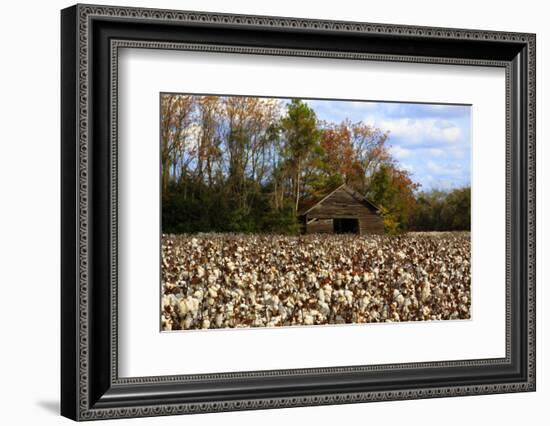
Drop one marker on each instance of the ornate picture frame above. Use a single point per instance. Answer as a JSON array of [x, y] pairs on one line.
[[91, 37]]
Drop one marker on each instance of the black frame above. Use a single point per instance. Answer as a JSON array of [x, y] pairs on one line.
[[90, 386]]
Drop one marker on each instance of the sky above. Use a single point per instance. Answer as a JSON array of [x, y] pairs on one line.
[[431, 141]]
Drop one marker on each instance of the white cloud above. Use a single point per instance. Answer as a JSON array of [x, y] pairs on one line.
[[444, 169], [400, 152], [416, 130], [436, 152], [408, 167], [435, 168], [459, 154]]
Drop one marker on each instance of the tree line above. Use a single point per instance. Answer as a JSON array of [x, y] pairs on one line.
[[244, 164]]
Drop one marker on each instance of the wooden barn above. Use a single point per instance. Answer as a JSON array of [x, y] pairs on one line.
[[339, 211]]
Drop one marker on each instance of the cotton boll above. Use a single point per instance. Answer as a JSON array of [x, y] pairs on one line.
[[192, 305], [438, 293], [426, 292], [365, 301], [168, 300], [324, 308], [186, 322], [348, 296], [183, 308], [328, 291], [368, 276], [200, 272], [321, 295], [400, 300], [167, 324]]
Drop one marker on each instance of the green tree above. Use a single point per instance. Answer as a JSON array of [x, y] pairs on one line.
[[456, 211], [393, 190], [438, 210], [428, 211], [300, 131]]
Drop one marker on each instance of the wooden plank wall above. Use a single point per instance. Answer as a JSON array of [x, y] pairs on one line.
[[320, 226], [371, 225]]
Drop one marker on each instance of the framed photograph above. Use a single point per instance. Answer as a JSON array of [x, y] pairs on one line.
[[263, 212]]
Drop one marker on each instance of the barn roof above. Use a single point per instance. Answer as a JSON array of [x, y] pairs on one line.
[[310, 203]]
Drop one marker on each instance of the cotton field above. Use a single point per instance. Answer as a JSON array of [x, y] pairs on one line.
[[236, 280]]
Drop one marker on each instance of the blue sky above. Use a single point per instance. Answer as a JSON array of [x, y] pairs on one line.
[[431, 141]]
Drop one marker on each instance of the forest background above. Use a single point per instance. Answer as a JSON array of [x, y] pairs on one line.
[[245, 164]]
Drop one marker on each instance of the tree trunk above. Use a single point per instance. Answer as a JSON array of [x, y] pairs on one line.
[[297, 187], [165, 173]]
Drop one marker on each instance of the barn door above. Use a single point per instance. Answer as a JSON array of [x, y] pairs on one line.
[[346, 226]]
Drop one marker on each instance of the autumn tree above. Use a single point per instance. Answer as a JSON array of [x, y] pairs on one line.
[[248, 122], [392, 189], [352, 152], [176, 119], [208, 139], [339, 159], [372, 151]]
